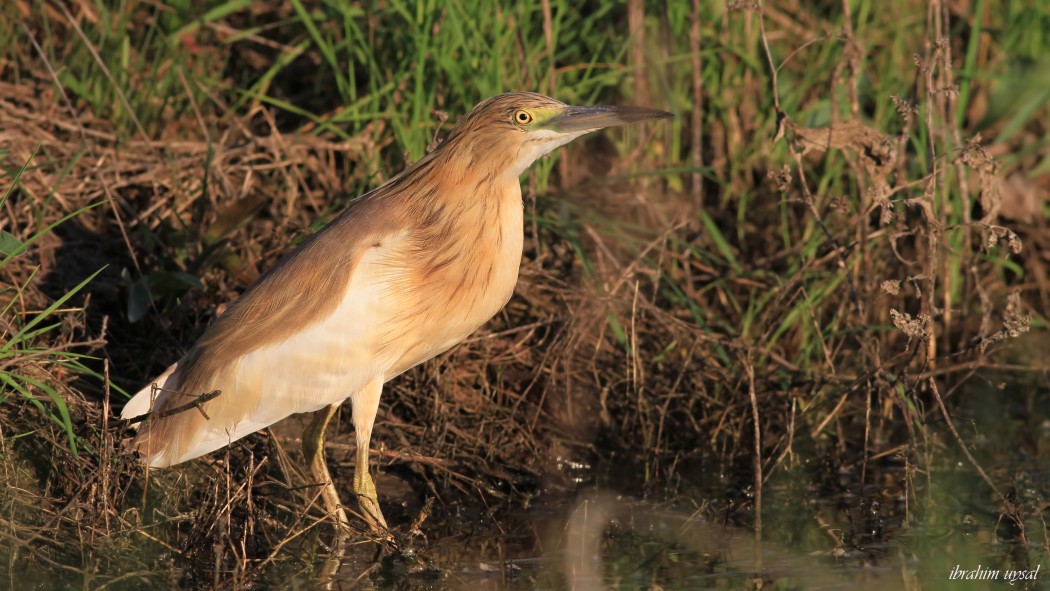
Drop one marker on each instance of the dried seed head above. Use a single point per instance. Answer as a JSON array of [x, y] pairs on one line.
[[1015, 322], [904, 108], [782, 178], [839, 204], [879, 199], [914, 328]]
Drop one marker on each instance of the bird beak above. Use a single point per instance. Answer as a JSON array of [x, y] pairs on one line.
[[577, 119]]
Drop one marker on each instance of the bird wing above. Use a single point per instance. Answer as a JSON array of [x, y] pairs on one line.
[[303, 336]]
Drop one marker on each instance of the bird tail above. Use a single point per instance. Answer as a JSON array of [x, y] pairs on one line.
[[172, 436], [150, 397]]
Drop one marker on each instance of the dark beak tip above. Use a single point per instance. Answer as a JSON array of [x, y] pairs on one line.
[[645, 113]]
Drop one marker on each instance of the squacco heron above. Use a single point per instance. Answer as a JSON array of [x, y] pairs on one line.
[[409, 270]]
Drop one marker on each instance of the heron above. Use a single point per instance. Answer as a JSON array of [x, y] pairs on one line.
[[405, 273]]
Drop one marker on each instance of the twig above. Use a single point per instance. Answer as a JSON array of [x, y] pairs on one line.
[[757, 460], [197, 403], [962, 444]]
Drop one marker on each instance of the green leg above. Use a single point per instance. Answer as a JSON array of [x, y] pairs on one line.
[[313, 449], [366, 405]]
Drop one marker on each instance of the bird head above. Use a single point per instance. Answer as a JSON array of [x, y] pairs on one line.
[[511, 131]]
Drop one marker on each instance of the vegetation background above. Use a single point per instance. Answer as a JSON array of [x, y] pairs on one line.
[[826, 278]]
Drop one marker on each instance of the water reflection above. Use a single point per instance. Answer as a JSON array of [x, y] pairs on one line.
[[607, 542]]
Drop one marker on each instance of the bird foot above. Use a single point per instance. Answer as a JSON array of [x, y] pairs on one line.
[[369, 507]]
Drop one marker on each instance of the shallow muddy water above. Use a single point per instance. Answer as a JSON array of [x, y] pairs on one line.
[[826, 523], [823, 527], [836, 542]]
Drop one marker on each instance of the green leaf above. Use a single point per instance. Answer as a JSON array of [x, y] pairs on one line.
[[10, 244], [139, 300], [162, 283]]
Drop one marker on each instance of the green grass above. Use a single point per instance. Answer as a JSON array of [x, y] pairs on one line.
[[32, 339]]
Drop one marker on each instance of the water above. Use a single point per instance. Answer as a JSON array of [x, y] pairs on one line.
[[917, 515]]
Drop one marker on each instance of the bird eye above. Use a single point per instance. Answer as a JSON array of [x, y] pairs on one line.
[[522, 117]]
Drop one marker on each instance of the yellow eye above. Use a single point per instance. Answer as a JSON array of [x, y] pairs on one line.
[[522, 117]]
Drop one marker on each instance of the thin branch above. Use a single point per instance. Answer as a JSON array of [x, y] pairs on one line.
[[197, 403]]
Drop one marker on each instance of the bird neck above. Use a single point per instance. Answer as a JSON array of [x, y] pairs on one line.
[[462, 178]]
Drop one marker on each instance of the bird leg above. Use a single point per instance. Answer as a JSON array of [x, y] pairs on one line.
[[366, 405], [313, 449]]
